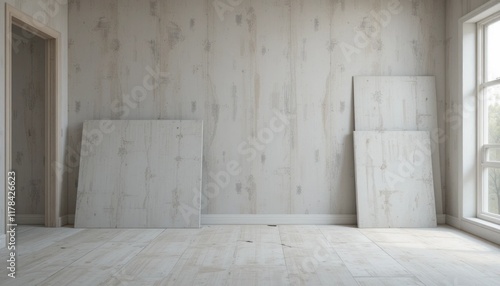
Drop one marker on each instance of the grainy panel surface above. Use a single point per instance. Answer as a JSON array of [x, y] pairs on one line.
[[394, 179], [141, 174], [234, 70], [401, 103]]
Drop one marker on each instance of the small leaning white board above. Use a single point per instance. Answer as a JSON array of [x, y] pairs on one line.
[[400, 103], [394, 181], [140, 174]]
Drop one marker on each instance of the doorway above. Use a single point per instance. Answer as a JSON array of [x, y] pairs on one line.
[[31, 117], [28, 124]]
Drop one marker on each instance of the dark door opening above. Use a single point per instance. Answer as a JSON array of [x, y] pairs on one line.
[[28, 124]]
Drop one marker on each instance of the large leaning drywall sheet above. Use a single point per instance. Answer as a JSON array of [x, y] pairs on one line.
[[394, 182], [140, 173], [397, 103]]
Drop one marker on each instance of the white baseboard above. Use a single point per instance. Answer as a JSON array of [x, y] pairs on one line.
[[3, 242], [441, 218], [481, 228], [215, 219], [453, 221], [475, 226], [32, 219], [71, 219], [62, 221]]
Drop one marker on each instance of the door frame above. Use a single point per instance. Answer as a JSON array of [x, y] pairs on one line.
[[52, 109]]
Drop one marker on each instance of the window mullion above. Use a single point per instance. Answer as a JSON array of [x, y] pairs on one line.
[[490, 83]]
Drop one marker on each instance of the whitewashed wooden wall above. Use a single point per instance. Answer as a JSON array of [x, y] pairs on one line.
[[28, 123], [233, 71]]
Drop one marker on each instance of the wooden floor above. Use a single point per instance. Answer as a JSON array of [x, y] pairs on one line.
[[252, 255]]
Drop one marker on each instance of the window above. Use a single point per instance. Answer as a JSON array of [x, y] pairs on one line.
[[488, 37]]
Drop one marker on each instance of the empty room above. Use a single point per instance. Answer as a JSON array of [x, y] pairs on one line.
[[250, 142]]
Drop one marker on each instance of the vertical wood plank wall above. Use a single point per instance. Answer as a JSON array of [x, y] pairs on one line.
[[235, 71]]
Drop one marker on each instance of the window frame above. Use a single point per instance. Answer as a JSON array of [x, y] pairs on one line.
[[482, 84]]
